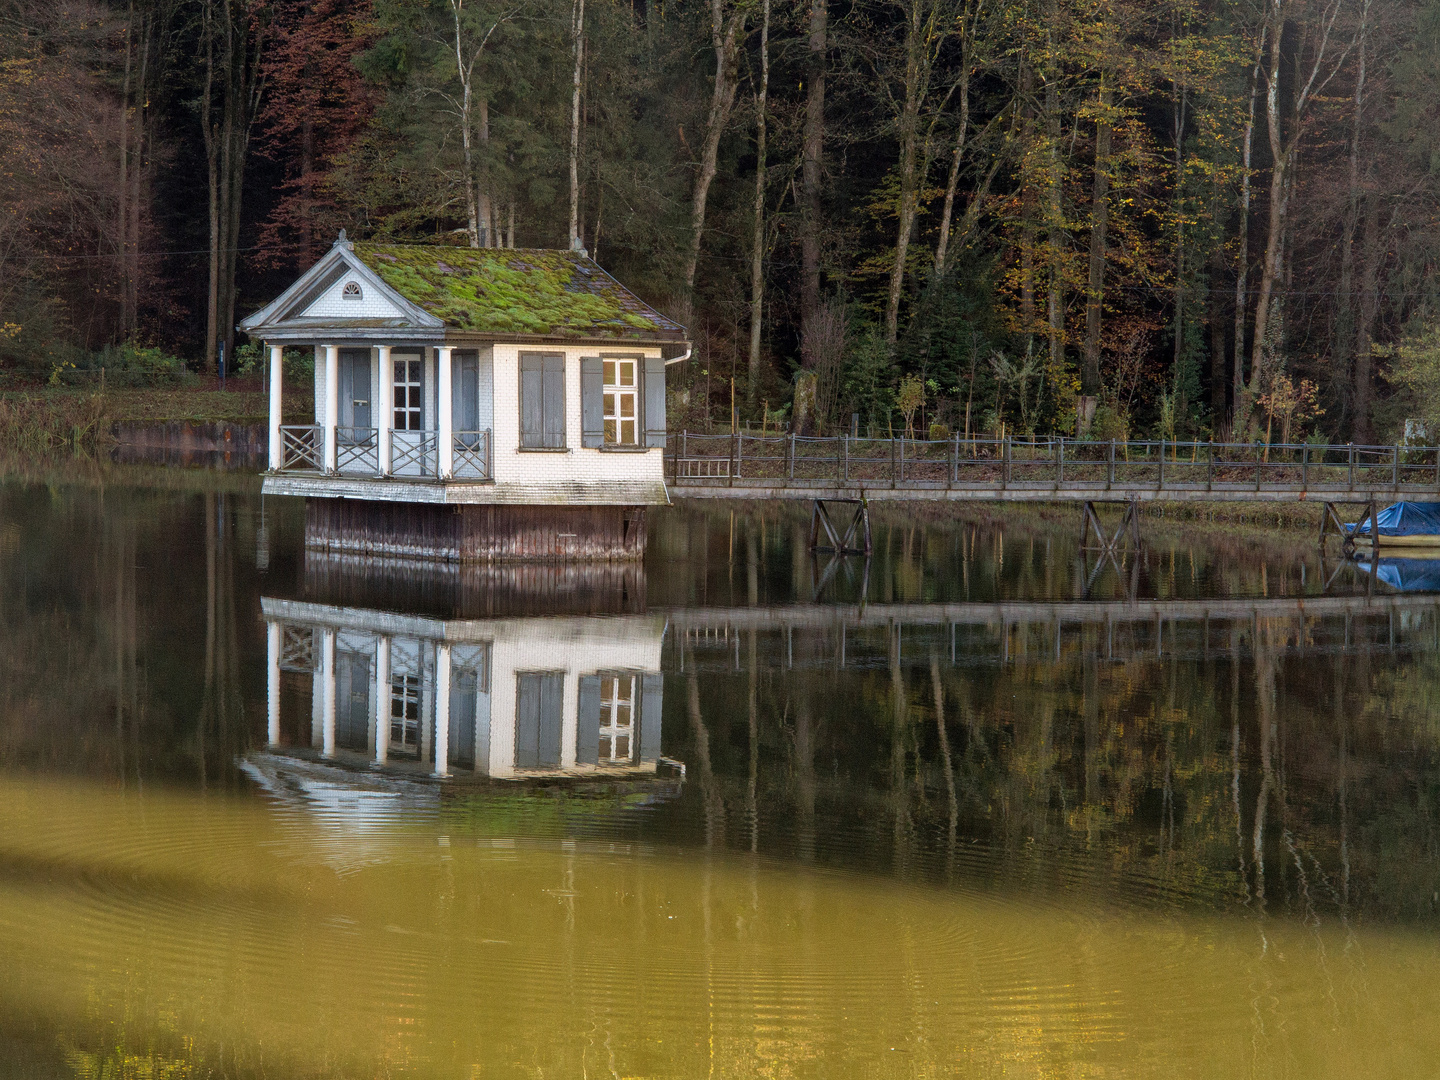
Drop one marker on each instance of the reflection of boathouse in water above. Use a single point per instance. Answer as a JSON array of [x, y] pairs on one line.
[[508, 698]]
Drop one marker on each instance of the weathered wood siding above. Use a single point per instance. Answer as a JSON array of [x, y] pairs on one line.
[[476, 533]]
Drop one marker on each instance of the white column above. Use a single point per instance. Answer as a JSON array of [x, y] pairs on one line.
[[277, 383], [272, 683], [332, 402], [444, 400], [386, 420], [327, 674], [442, 709], [382, 700]]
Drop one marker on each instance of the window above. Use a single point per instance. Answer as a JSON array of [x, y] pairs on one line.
[[617, 718], [352, 291], [542, 402], [405, 713], [409, 412], [620, 403]]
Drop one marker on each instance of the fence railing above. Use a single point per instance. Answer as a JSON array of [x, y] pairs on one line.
[[302, 446], [471, 455], [707, 460], [357, 452]]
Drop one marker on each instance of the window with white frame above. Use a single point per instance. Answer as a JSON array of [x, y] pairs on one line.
[[409, 409], [405, 713], [617, 719], [621, 403]]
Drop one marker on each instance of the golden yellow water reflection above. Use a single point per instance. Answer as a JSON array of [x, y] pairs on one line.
[[173, 931]]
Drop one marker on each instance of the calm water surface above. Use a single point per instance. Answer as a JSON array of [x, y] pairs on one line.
[[981, 807]]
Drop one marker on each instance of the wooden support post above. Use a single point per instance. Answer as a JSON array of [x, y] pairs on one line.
[[382, 699], [739, 453], [892, 462], [1352, 466], [1395, 475], [277, 390], [1060, 463], [730, 468], [442, 710], [902, 459], [444, 406], [272, 683], [332, 402], [790, 458], [1162, 464], [845, 467], [1110, 467], [1305, 466], [1006, 481], [955, 462], [1210, 467]]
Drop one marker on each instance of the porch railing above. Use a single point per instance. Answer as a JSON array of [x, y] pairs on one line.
[[302, 446], [471, 455], [414, 453], [357, 450]]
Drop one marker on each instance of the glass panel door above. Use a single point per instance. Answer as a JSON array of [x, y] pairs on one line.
[[409, 405]]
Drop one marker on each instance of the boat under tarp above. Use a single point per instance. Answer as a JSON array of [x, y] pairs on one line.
[[1406, 575], [1402, 525]]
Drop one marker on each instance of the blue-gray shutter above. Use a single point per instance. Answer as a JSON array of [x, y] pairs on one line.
[[587, 732], [655, 401], [552, 713], [532, 398], [464, 387], [527, 720], [592, 401], [652, 701], [554, 401]]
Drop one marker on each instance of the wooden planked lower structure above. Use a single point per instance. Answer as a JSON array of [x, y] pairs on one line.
[[475, 533]]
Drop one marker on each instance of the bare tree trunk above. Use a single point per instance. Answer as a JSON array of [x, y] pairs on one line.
[[577, 35], [757, 246], [1372, 251], [1027, 202], [122, 215], [1242, 261], [1349, 333], [725, 38], [813, 147], [1099, 222], [1055, 301], [1181, 104], [952, 182], [909, 197]]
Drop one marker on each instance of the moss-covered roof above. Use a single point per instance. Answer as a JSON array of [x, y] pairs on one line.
[[518, 291]]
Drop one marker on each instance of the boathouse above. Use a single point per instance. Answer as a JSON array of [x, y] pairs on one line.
[[472, 404]]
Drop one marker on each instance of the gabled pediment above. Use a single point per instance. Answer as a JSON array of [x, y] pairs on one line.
[[342, 291]]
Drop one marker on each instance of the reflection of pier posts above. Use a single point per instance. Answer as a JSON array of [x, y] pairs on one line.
[[382, 699], [272, 683], [327, 690], [442, 709]]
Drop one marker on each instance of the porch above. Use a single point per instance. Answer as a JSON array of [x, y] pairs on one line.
[[388, 442]]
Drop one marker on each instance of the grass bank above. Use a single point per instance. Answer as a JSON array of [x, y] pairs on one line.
[[40, 418]]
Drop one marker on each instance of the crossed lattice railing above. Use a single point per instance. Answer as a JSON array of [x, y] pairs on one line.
[[471, 455], [357, 450], [301, 447], [414, 453]]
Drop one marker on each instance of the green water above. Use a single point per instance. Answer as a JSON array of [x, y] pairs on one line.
[[1009, 817]]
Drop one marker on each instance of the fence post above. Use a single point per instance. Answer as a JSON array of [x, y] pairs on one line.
[[1210, 467], [790, 464], [1006, 474], [845, 469], [730, 482], [1395, 476], [1305, 465], [1352, 465], [1257, 464], [1060, 464], [955, 461], [892, 461], [1162, 463], [1110, 467]]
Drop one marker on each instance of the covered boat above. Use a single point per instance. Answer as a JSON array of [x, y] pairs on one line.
[[1402, 525]]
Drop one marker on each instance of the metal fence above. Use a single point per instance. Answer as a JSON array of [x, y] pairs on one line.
[[707, 460]]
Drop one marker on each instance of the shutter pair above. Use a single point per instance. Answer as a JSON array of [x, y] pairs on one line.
[[649, 709], [542, 401], [592, 401]]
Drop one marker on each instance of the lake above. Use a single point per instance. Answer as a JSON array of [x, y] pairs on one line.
[[983, 804]]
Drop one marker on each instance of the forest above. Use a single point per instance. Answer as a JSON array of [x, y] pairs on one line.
[[1128, 218]]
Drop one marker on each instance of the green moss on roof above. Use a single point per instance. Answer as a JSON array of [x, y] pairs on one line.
[[522, 291]]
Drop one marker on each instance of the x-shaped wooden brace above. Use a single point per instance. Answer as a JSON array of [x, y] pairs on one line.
[[1131, 522], [841, 546]]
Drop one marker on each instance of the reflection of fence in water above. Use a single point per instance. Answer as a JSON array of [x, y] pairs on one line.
[[824, 638]]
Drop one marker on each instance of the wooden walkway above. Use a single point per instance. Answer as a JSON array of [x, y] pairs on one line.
[[1047, 470]]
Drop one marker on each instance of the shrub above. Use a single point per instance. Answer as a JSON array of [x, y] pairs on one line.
[[939, 432]]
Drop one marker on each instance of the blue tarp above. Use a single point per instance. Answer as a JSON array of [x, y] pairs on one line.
[[1403, 519], [1407, 575]]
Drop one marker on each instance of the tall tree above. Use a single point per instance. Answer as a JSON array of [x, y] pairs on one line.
[[757, 241], [725, 37]]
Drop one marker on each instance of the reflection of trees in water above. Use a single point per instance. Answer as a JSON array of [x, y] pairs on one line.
[[1298, 784], [109, 664]]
